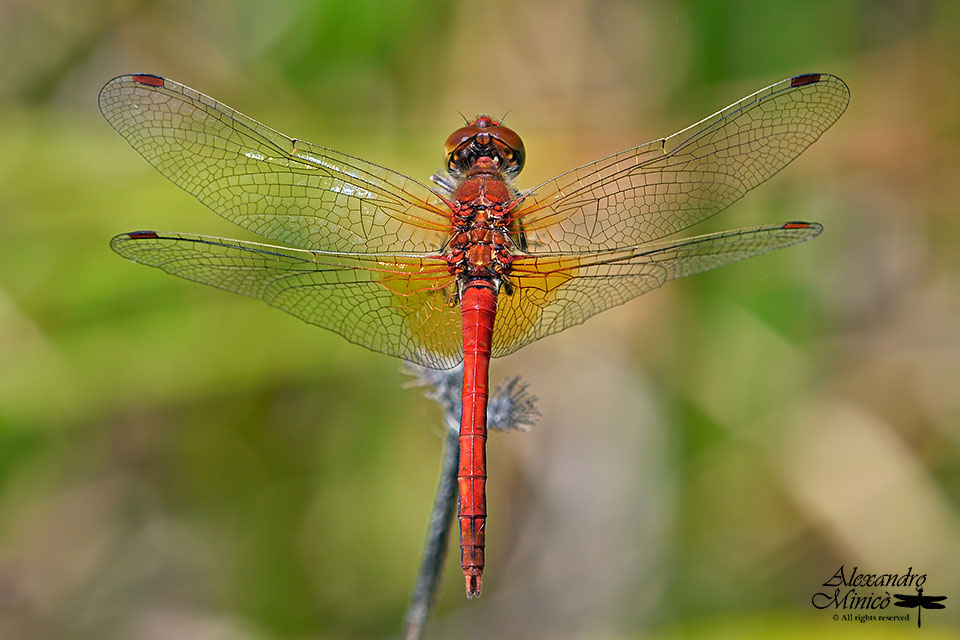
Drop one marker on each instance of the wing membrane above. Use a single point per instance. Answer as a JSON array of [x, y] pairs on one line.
[[401, 305], [555, 291], [662, 187], [290, 191]]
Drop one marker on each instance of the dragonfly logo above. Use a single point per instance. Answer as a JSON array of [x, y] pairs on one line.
[[919, 602], [865, 597]]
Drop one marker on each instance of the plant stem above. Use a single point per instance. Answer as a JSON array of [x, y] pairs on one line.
[[435, 547]]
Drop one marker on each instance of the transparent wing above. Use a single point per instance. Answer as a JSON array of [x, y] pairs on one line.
[[401, 305], [662, 187], [552, 292], [284, 189]]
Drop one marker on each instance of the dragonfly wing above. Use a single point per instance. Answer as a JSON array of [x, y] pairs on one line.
[[662, 187], [554, 292], [290, 191], [402, 305]]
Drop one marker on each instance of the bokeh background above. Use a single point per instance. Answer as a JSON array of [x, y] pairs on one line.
[[177, 462]]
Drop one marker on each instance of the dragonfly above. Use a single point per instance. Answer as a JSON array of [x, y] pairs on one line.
[[919, 602], [466, 266]]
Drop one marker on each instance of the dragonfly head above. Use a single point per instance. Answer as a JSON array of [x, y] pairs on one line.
[[484, 138]]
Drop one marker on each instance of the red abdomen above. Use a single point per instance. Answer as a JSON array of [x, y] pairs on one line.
[[478, 308]]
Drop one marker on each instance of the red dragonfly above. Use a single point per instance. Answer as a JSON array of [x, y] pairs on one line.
[[471, 266]]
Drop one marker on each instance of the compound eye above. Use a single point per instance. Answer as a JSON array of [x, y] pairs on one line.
[[507, 137], [457, 138]]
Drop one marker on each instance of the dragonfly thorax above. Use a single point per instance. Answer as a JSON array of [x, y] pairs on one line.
[[480, 245]]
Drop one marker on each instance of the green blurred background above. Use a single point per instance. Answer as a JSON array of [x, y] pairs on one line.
[[177, 462]]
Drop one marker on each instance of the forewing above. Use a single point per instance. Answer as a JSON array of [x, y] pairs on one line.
[[401, 305], [554, 292], [662, 187], [287, 190]]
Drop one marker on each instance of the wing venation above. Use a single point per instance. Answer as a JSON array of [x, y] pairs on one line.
[[287, 190], [401, 305], [662, 187]]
